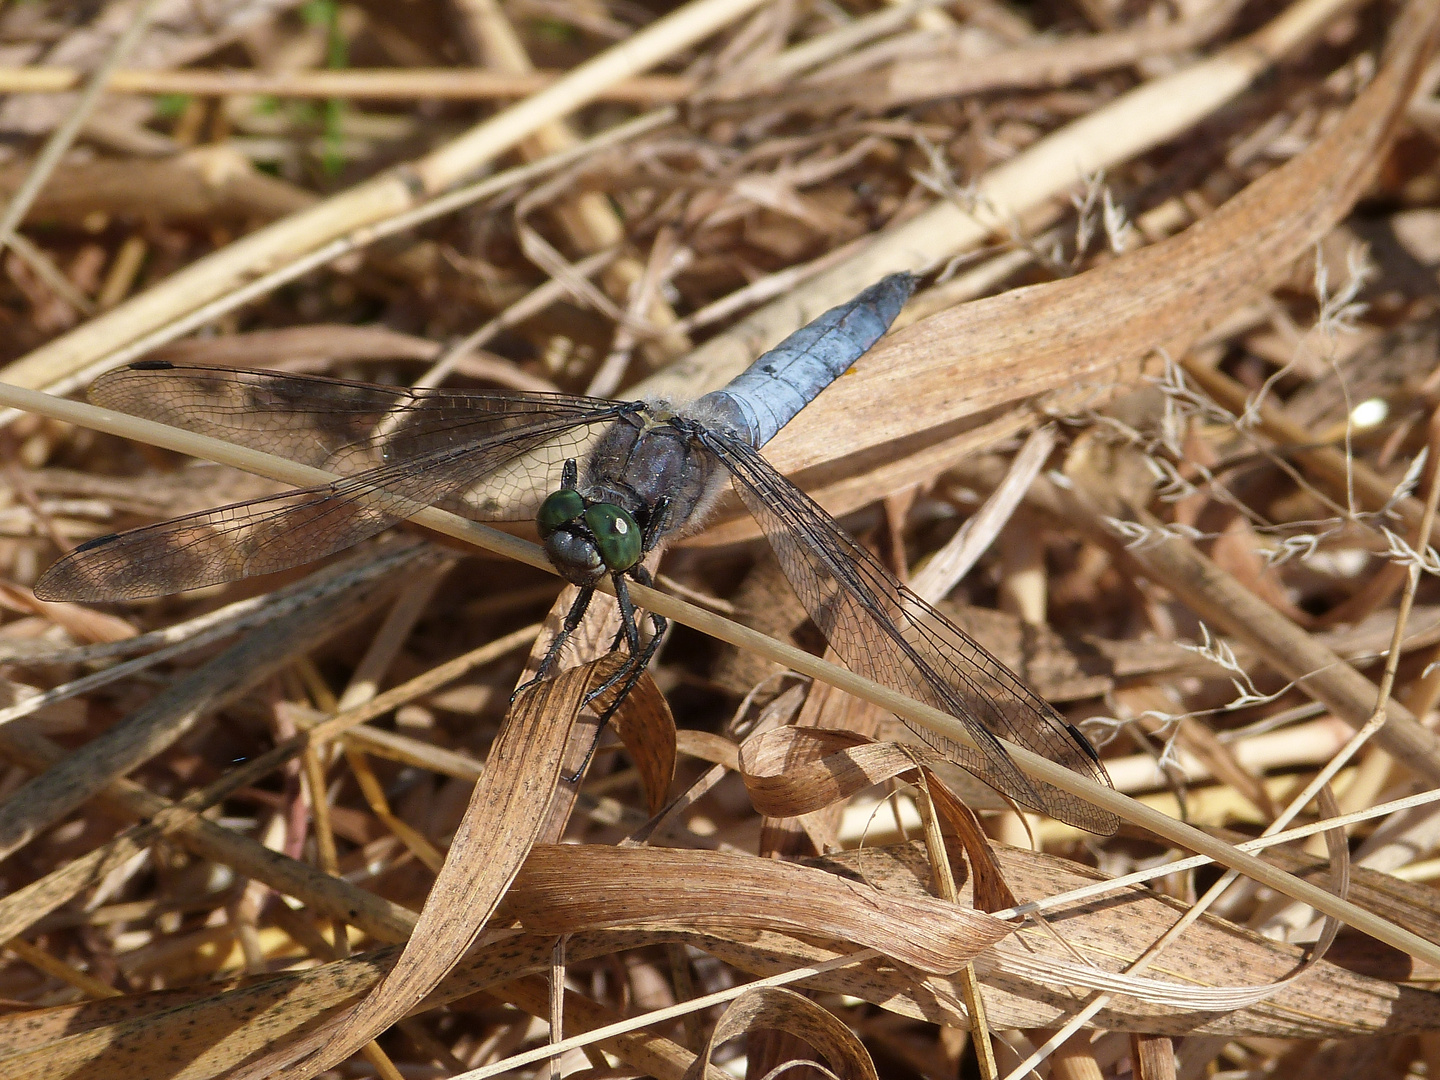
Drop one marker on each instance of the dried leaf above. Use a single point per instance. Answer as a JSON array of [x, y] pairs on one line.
[[646, 726], [567, 888], [784, 1010]]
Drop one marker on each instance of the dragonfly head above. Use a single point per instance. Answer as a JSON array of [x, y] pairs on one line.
[[587, 540]]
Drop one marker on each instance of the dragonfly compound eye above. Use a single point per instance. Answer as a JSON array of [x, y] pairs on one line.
[[558, 510], [616, 535]]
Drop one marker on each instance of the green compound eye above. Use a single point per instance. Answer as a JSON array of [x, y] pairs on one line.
[[559, 508], [616, 535]]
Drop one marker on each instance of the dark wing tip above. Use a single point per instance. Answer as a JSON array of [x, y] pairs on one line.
[[92, 574], [150, 365], [1084, 743], [99, 541]]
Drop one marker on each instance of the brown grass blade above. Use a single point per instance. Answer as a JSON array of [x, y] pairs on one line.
[[567, 888], [82, 623], [1110, 933]]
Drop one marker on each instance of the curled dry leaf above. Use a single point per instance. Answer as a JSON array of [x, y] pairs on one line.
[[647, 728], [568, 888], [784, 1010], [794, 771], [958, 823]]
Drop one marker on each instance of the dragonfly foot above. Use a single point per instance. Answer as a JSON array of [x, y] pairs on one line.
[[526, 685]]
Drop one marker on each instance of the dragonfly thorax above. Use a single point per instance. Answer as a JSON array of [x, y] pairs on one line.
[[651, 466], [585, 540]]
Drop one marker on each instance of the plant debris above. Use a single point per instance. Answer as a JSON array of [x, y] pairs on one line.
[[1158, 429]]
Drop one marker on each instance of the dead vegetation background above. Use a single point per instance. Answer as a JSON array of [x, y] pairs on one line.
[[1159, 428]]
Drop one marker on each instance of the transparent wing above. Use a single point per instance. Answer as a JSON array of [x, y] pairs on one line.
[[351, 427], [495, 466], [884, 631]]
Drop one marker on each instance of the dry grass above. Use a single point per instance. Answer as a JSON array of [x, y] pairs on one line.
[[1159, 430]]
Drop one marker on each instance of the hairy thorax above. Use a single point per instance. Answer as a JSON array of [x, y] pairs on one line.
[[643, 459]]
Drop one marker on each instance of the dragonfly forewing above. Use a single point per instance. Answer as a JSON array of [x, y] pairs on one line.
[[262, 536], [350, 427]]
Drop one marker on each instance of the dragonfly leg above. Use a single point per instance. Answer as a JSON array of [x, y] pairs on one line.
[[630, 673], [658, 624], [552, 654], [629, 632]]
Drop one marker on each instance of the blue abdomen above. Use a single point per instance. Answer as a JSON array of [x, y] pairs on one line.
[[766, 396]]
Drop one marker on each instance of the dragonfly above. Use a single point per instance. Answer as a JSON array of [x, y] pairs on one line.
[[606, 483]]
